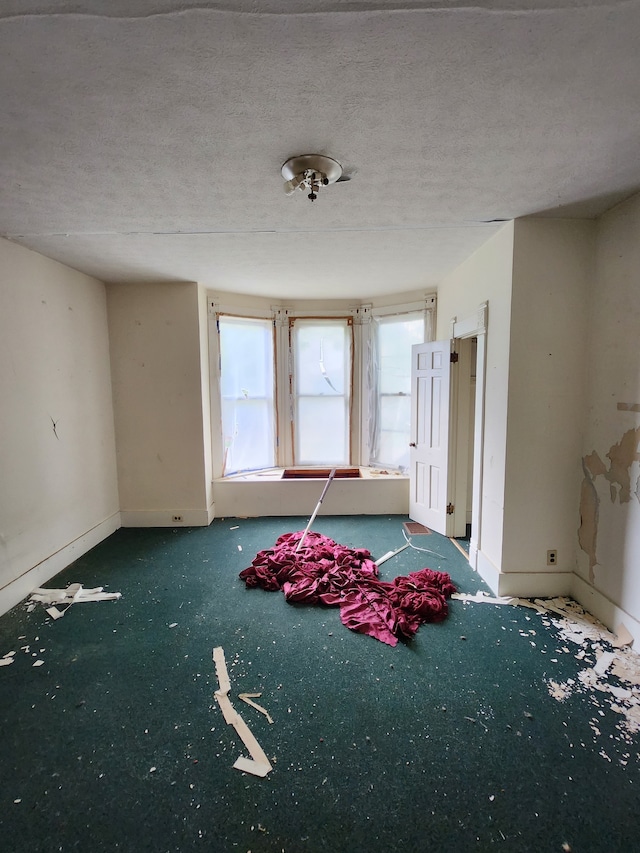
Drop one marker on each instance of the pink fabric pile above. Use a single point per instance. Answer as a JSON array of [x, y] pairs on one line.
[[323, 571]]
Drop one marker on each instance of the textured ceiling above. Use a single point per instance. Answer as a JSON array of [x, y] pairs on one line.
[[143, 139]]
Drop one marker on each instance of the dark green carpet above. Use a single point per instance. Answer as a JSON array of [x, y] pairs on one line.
[[449, 742]]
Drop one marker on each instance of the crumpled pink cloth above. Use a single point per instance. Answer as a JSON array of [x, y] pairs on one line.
[[324, 571]]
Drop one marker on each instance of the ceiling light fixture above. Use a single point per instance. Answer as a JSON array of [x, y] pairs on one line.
[[310, 172]]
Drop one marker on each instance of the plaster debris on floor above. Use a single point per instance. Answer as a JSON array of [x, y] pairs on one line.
[[612, 681], [611, 674], [75, 593]]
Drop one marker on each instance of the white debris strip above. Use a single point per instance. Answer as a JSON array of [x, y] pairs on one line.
[[249, 697], [258, 764], [485, 598], [73, 594]]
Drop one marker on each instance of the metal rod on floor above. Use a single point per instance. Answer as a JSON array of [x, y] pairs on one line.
[[391, 554], [315, 512]]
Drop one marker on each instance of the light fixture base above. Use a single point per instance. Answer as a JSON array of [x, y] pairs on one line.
[[327, 166]]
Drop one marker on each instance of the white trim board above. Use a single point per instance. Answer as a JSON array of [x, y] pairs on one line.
[[523, 584], [17, 589], [489, 573], [535, 584]]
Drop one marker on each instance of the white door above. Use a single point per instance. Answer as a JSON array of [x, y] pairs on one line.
[[430, 395]]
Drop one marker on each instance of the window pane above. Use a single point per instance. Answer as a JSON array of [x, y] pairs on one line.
[[395, 424], [246, 387], [322, 377], [391, 410], [395, 339], [246, 357], [248, 435], [322, 433], [321, 357]]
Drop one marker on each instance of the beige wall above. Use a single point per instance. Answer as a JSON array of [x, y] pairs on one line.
[[552, 271], [157, 364], [487, 277], [58, 492], [609, 559]]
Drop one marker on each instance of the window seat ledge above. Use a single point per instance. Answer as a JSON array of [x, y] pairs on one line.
[[265, 493]]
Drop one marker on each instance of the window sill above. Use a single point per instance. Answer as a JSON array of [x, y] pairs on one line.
[[284, 475]]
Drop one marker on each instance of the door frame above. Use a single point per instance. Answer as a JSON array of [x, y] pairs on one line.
[[473, 326]]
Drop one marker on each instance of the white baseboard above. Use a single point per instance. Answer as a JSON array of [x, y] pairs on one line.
[[166, 517], [603, 609], [523, 584], [535, 584], [16, 590], [487, 571]]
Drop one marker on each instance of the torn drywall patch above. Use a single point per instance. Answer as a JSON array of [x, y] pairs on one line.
[[622, 455], [589, 512], [594, 464]]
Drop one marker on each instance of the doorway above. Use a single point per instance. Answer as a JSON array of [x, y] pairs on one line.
[[462, 433], [448, 431]]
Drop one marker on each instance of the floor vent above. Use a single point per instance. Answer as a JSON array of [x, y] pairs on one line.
[[414, 528]]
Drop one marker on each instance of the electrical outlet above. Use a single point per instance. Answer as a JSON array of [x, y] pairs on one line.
[[177, 518], [552, 558]]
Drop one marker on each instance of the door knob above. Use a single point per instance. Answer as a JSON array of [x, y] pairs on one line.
[[412, 444]]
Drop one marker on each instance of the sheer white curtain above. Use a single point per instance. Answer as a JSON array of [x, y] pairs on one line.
[[390, 385], [246, 393], [321, 385]]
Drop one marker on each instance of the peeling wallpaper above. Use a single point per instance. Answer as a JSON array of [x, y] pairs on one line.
[[608, 529], [621, 456]]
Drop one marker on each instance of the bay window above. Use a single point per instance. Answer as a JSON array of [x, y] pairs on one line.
[[325, 390]]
